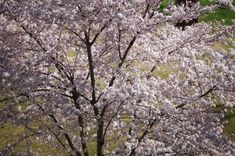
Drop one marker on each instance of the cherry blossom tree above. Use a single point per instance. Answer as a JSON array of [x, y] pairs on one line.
[[189, 3], [116, 76]]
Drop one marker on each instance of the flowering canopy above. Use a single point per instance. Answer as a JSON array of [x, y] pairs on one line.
[[116, 74]]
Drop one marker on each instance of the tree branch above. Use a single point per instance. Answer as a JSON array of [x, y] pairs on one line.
[[101, 30], [69, 140], [150, 125], [123, 59]]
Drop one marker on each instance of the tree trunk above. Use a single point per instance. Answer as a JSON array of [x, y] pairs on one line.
[[100, 139]]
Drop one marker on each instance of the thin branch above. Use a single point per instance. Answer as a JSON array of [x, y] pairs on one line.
[[110, 121], [91, 70], [101, 30], [151, 72], [208, 91], [56, 136], [201, 96], [69, 140], [13, 97], [150, 125], [34, 37], [74, 32], [123, 59], [146, 10], [119, 41], [99, 97]]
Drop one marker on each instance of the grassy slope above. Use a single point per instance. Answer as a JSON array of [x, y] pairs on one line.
[[229, 126], [223, 14]]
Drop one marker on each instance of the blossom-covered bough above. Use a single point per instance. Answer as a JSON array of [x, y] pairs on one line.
[[116, 76]]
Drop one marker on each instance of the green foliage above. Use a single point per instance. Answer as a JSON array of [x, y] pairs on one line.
[[163, 5]]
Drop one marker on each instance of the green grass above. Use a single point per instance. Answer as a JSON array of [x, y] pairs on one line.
[[164, 72], [223, 15], [10, 134], [207, 2], [229, 127], [92, 147], [225, 47], [71, 54], [36, 146], [229, 118]]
